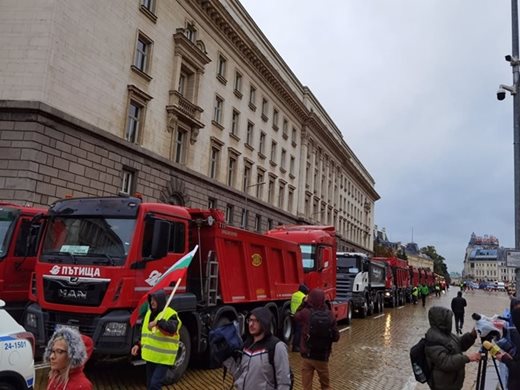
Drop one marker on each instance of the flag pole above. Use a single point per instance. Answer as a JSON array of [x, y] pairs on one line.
[[161, 314]]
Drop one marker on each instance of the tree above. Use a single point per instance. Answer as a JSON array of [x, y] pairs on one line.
[[439, 267], [383, 251]]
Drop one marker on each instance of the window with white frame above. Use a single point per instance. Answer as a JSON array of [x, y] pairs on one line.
[[235, 120], [219, 106], [127, 183], [250, 131]]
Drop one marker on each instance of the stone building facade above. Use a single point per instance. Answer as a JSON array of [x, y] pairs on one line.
[[185, 102]]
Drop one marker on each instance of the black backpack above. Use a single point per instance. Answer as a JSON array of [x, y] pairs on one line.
[[271, 345], [421, 370], [320, 336]]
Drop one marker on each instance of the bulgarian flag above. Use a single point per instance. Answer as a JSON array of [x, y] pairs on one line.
[[173, 274]]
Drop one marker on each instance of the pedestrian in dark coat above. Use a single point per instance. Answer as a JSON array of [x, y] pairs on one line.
[[444, 351], [311, 361], [513, 362], [457, 306]]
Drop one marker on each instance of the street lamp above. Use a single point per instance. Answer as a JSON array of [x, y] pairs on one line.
[[501, 94], [246, 196]]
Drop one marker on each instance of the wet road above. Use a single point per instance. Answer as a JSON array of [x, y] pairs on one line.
[[372, 354]]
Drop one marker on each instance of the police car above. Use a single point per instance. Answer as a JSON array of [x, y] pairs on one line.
[[16, 354]]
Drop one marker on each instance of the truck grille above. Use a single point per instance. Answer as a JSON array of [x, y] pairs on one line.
[[344, 285], [78, 294], [85, 323]]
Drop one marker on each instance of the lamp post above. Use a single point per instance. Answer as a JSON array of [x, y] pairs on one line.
[[246, 197], [501, 94]]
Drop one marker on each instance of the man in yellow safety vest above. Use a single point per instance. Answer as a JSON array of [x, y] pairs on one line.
[[296, 300], [159, 339]]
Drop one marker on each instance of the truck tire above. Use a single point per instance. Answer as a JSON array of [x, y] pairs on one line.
[[381, 304], [363, 311], [348, 320], [174, 373], [370, 308], [287, 326], [7, 386]]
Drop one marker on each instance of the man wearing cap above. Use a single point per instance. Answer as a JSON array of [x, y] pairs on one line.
[[296, 300], [252, 369]]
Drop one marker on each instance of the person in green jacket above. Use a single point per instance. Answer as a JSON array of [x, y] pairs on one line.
[[296, 300], [444, 351], [424, 290], [415, 294]]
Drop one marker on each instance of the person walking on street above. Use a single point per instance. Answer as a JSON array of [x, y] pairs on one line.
[[424, 290], [444, 351], [415, 295], [67, 352], [319, 331], [437, 290], [296, 300], [457, 306], [252, 369], [159, 340]]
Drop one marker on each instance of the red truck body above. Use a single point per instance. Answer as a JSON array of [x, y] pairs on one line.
[[18, 237], [318, 246], [414, 277], [397, 280], [99, 256]]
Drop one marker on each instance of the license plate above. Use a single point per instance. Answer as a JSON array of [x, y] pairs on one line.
[[76, 327]]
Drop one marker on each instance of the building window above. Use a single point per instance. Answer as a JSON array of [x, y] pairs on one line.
[[127, 184], [293, 136], [182, 84], [261, 148], [282, 159], [143, 51], [252, 98], [217, 113], [264, 109], [190, 32], [243, 218], [250, 130], [213, 162], [270, 190], [270, 224], [229, 214], [133, 123], [247, 178], [275, 119], [273, 151], [258, 222], [238, 84], [148, 8], [212, 203], [281, 195], [291, 166], [221, 69], [235, 119], [285, 128], [290, 200], [180, 146], [232, 165], [260, 184]]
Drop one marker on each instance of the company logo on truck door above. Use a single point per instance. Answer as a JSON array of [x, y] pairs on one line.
[[66, 270], [256, 260]]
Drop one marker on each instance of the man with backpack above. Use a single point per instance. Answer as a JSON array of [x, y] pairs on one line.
[[319, 331], [263, 363]]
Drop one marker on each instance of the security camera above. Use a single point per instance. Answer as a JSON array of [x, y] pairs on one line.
[[509, 58], [501, 94]]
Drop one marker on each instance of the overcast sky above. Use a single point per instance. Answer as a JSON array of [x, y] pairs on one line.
[[412, 85]]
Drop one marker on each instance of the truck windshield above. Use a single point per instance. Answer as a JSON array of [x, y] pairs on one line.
[[348, 264], [7, 219], [85, 240], [308, 257]]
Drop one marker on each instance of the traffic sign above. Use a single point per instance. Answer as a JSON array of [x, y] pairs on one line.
[[513, 258]]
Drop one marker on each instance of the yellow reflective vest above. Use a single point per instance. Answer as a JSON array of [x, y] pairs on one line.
[[296, 301], [157, 347]]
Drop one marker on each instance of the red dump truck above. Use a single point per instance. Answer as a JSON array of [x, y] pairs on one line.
[[362, 281], [18, 238], [397, 286], [98, 256], [318, 246]]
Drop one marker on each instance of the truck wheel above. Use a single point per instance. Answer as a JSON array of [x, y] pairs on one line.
[[370, 308], [393, 303], [7, 386], [364, 310], [174, 373], [348, 320], [381, 304], [287, 326]]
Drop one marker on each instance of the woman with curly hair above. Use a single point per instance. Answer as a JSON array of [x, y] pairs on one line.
[[67, 352]]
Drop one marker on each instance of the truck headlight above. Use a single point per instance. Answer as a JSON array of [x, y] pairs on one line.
[[387, 294], [31, 321], [114, 329]]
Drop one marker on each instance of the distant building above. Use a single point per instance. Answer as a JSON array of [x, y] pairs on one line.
[[486, 260]]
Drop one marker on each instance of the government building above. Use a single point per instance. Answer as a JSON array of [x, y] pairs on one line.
[[185, 102]]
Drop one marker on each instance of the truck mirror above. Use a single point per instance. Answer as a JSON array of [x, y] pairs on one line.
[[161, 235]]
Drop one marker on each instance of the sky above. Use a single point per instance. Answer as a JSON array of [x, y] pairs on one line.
[[412, 86]]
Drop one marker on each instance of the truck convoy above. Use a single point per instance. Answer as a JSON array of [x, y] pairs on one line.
[[397, 284], [98, 256], [18, 238]]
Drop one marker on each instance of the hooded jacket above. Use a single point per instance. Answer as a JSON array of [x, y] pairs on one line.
[[513, 365], [315, 301], [444, 350], [79, 349], [252, 370]]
